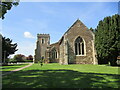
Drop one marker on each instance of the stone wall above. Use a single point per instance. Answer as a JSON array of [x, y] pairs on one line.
[[61, 59], [37, 52], [54, 46], [76, 30]]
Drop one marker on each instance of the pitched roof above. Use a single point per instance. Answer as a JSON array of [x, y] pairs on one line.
[[69, 29], [74, 24], [54, 44], [60, 41]]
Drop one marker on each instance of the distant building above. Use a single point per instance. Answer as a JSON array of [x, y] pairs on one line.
[[75, 47]]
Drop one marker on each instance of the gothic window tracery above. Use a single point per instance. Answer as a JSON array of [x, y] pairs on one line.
[[79, 46]]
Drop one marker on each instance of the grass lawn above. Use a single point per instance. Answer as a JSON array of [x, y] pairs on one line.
[[63, 76], [11, 67]]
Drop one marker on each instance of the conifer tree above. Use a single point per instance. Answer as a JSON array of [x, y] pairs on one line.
[[107, 40], [7, 48]]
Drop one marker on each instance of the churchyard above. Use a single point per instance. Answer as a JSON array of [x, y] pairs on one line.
[[90, 45], [54, 75]]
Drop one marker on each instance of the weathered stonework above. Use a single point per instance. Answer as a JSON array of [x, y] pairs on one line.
[[43, 43], [64, 50], [54, 50]]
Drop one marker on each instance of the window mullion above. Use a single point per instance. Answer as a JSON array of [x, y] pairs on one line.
[[78, 48], [81, 48]]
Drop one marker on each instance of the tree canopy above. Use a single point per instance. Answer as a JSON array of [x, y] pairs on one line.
[[30, 57], [107, 40], [4, 6], [8, 48], [19, 57]]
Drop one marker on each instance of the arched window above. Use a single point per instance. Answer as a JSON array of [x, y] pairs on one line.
[[54, 54], [79, 46]]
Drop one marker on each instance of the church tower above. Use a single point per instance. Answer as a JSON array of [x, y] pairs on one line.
[[43, 42]]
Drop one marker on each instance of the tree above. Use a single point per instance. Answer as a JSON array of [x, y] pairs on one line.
[[30, 57], [92, 29], [4, 6], [7, 48], [107, 36], [19, 58]]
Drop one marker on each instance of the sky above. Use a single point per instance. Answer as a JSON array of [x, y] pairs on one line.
[[24, 22]]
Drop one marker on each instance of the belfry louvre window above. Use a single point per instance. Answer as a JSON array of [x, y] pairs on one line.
[[79, 46], [42, 41]]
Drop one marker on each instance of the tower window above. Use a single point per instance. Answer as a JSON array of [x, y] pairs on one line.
[[79, 46], [42, 41]]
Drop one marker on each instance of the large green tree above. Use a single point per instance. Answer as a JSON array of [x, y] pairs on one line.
[[7, 48], [107, 40], [19, 57], [5, 6]]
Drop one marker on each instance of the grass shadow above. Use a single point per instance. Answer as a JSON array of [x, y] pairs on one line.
[[61, 78]]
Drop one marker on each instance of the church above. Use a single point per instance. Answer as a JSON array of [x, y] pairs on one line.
[[76, 46]]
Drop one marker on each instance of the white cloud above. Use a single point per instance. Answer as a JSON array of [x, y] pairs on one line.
[[28, 35]]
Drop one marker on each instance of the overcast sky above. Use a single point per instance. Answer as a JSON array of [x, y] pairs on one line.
[[24, 22]]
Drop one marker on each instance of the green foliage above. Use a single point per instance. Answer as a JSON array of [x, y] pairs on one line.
[[19, 58], [92, 29], [28, 60], [107, 38], [12, 61], [4, 6], [30, 57], [8, 48], [23, 58]]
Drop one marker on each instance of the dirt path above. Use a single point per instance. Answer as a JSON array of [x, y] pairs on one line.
[[17, 69]]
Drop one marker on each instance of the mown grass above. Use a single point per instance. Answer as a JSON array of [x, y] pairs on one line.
[[11, 67], [63, 76]]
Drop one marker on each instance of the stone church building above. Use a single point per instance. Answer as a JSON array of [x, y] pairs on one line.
[[76, 46]]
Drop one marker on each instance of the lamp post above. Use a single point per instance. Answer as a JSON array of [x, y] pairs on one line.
[[4, 56]]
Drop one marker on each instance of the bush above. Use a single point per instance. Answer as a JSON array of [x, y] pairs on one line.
[[28, 60], [12, 61]]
